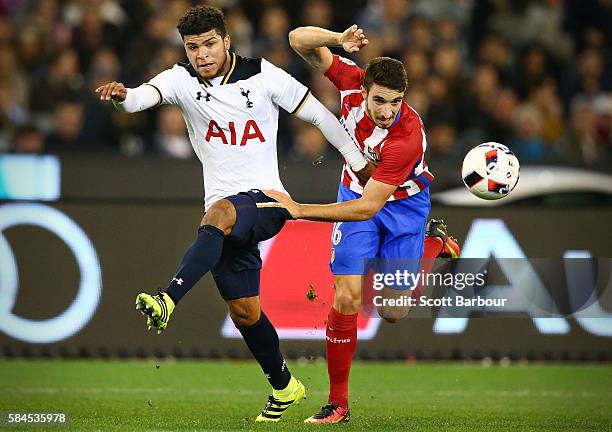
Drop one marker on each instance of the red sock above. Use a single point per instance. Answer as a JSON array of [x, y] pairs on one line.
[[433, 247], [341, 335]]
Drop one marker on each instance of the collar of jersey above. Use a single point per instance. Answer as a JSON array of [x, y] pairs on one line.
[[227, 76]]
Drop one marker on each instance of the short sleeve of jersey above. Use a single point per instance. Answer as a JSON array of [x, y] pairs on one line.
[[345, 74], [166, 83], [398, 159], [284, 90]]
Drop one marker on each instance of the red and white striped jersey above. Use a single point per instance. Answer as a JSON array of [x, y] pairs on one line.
[[398, 151]]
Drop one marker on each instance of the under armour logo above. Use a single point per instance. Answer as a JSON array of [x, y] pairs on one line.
[[179, 281], [244, 93], [207, 96]]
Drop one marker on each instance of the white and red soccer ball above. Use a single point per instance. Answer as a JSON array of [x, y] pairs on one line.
[[490, 171]]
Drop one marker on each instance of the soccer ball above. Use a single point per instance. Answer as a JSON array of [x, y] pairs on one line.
[[490, 171]]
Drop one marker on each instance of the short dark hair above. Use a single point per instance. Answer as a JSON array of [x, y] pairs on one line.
[[202, 19], [386, 72]]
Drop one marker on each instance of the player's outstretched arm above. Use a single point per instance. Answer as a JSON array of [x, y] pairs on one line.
[[375, 195], [311, 44], [128, 99]]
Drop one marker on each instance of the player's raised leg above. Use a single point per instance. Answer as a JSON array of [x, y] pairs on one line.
[[198, 260], [438, 244], [205, 252]]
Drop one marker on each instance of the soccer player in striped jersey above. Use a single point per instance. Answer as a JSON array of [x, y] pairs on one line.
[[230, 105], [383, 217]]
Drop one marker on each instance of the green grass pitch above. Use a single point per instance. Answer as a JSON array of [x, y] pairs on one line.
[[224, 395]]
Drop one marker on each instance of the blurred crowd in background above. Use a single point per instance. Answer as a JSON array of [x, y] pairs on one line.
[[533, 74]]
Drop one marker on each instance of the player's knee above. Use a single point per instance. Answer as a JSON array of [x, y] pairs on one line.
[[244, 319], [393, 315], [346, 299], [244, 313], [221, 215]]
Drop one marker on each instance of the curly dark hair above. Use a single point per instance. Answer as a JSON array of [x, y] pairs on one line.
[[386, 72], [202, 19]]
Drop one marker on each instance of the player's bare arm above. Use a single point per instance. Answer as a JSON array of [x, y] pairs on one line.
[[311, 44], [375, 196]]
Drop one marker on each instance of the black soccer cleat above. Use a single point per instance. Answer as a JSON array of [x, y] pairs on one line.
[[450, 246]]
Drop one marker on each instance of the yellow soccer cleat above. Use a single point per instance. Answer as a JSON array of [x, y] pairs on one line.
[[156, 308], [280, 400]]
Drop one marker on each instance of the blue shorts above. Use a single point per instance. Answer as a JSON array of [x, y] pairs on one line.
[[396, 231], [257, 219]]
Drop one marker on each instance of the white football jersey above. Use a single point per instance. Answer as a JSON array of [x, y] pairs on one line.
[[233, 120]]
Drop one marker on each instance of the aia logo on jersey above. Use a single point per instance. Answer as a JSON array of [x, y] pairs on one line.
[[245, 93], [251, 131]]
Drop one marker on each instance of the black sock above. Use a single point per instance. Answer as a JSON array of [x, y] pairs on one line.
[[262, 340], [203, 254]]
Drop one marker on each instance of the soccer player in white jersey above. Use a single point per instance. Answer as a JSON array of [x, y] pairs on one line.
[[230, 105], [383, 217]]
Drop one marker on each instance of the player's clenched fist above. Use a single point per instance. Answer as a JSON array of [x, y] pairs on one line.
[[112, 90]]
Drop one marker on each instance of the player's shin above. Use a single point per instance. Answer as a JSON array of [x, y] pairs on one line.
[[341, 335], [262, 340], [437, 244], [432, 248], [201, 256]]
